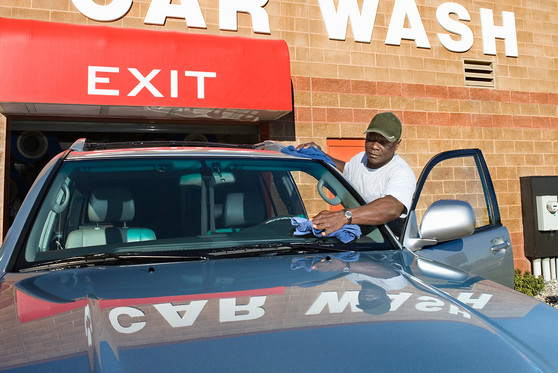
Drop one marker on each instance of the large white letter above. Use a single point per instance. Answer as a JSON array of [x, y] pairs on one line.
[[336, 305], [144, 81], [171, 313], [454, 310], [430, 304], [458, 28], [228, 10], [478, 303], [131, 312], [398, 299], [229, 309], [201, 75], [490, 32], [190, 10], [362, 24], [93, 79], [174, 83], [110, 12], [466, 298], [396, 31]]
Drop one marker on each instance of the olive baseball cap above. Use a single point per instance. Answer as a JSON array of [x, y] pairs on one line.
[[387, 125]]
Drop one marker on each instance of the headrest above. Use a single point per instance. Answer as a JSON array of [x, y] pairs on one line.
[[243, 209], [111, 205]]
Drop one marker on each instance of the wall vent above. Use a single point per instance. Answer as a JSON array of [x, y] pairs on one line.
[[478, 73]]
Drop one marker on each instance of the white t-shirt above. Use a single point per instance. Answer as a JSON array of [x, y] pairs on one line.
[[395, 179]]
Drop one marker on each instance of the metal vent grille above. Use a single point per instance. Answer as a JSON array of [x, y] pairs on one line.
[[478, 73]]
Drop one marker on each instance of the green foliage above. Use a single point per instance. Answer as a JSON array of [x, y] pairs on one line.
[[527, 283]]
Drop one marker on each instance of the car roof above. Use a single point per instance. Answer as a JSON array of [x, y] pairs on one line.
[[82, 149]]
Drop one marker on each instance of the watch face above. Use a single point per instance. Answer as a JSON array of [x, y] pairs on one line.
[[348, 214]]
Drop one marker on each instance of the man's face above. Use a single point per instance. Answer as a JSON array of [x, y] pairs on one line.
[[379, 151]]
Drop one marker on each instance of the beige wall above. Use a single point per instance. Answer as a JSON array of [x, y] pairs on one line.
[[340, 85], [301, 25], [436, 118]]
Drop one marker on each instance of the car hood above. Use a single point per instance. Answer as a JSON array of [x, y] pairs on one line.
[[390, 311]]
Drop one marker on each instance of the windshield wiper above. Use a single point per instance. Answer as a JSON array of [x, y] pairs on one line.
[[110, 259], [277, 248]]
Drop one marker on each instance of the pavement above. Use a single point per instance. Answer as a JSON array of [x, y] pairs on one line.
[[549, 294]]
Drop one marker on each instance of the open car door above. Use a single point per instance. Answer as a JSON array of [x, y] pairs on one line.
[[462, 175]]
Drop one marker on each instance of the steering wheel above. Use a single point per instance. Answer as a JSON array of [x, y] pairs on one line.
[[276, 219]]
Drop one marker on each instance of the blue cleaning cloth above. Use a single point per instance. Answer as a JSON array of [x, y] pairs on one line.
[[346, 234], [308, 262], [311, 152]]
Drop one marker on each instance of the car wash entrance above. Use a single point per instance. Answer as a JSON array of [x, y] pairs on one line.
[[112, 84]]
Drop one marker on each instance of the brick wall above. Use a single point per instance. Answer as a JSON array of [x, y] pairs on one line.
[[301, 25], [517, 131]]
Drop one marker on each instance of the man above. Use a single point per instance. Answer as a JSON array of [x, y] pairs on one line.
[[383, 178]]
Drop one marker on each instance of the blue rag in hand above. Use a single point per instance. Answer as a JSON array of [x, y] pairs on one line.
[[311, 152], [308, 262], [346, 234]]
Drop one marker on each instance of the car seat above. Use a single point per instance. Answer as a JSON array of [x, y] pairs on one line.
[[109, 210], [243, 209]]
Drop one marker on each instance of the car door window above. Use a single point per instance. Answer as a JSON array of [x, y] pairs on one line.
[[456, 178]]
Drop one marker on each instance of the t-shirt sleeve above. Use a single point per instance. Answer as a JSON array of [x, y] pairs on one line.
[[401, 185]]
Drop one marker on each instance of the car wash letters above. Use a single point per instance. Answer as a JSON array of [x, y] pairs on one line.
[[450, 17], [130, 319]]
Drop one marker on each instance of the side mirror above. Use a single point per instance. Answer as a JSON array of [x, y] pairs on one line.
[[444, 220]]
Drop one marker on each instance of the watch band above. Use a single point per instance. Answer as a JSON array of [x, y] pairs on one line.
[[348, 215]]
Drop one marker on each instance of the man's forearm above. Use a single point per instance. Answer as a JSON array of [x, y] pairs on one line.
[[380, 211], [338, 163]]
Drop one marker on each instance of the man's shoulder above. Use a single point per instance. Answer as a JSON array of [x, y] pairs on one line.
[[397, 161], [399, 167]]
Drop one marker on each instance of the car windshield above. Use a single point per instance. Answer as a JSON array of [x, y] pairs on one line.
[[187, 205]]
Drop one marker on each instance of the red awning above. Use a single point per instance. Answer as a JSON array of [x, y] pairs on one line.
[[77, 70]]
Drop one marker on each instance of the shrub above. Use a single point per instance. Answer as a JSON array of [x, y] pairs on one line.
[[527, 283]]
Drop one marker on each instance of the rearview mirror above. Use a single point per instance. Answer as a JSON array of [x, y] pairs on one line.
[[195, 179]]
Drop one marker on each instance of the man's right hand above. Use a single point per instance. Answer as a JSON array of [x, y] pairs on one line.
[[338, 163], [308, 145], [329, 221]]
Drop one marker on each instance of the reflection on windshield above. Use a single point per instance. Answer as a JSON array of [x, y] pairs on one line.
[[374, 278], [162, 204]]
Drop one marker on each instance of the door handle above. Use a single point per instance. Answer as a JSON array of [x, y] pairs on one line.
[[499, 246]]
